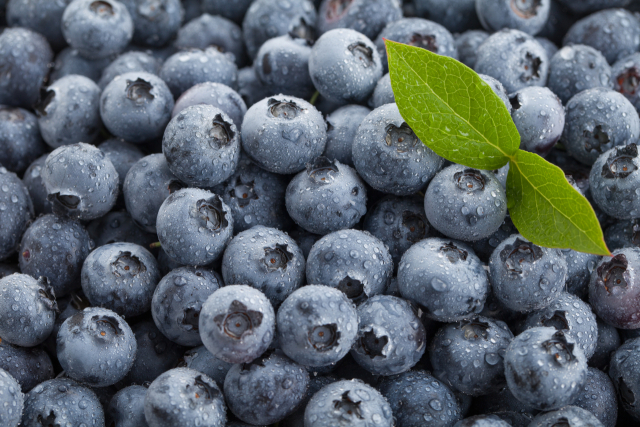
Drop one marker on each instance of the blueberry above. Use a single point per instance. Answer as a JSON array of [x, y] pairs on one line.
[[17, 212], [614, 290], [502, 401], [389, 156], [467, 45], [81, 181], [368, 17], [590, 131], [345, 66], [123, 155], [308, 197], [147, 184], [456, 16], [282, 64], [165, 263], [69, 61], [97, 28], [126, 63], [526, 16], [213, 30], [342, 125], [311, 331], [304, 239], [183, 396], [185, 69], [11, 400], [96, 347], [624, 373], [251, 88], [296, 419], [216, 94], [572, 316], [155, 22], [416, 397], [24, 56], [625, 77], [237, 323], [580, 265], [281, 134], [266, 259], [27, 309], [19, 138], [465, 204], [266, 390], [55, 248], [545, 368], [136, 106], [391, 339], [581, 7], [255, 197], [155, 355], [178, 299], [499, 90], [120, 277], [351, 402], [383, 93], [61, 401], [519, 264], [352, 261], [548, 45], [126, 408], [614, 32], [194, 226], [514, 58], [485, 247], [201, 359], [599, 397], [570, 415], [68, 111], [608, 341], [202, 146], [482, 421], [266, 19], [445, 278], [42, 16], [234, 9], [539, 117], [29, 366]]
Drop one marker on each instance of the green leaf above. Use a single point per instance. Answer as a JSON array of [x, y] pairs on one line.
[[450, 108], [547, 210]]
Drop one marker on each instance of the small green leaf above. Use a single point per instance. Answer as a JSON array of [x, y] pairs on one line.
[[450, 108], [547, 210]]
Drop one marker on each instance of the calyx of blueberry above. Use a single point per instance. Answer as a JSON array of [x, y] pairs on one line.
[[620, 163], [336, 9], [322, 170], [629, 80], [212, 214], [239, 320], [353, 289], [284, 109], [324, 337], [50, 420], [191, 317], [416, 225], [453, 253], [401, 137], [348, 407], [102, 9], [595, 139], [525, 9], [243, 192], [202, 388], [220, 132], [626, 394], [47, 294], [106, 325], [46, 98], [559, 348], [613, 274], [276, 257], [302, 30], [139, 91], [474, 329], [127, 264], [470, 180], [519, 253], [531, 65], [556, 319], [373, 344], [424, 41], [64, 201], [362, 53]]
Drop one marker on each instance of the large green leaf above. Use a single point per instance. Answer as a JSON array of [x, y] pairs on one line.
[[450, 108], [547, 210]]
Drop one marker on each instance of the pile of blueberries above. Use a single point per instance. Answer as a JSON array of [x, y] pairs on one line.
[[213, 214]]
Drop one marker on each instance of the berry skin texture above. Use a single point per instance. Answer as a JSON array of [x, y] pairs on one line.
[[177, 302], [16, 216], [327, 197], [353, 261], [529, 17], [476, 203], [580, 265], [154, 23], [416, 397], [20, 138], [194, 226], [343, 48], [55, 248], [342, 125], [467, 355], [201, 359], [283, 133], [624, 76], [237, 323], [120, 277], [97, 29], [128, 62], [368, 17], [445, 278], [266, 259], [391, 338], [517, 264], [216, 94], [571, 415], [126, 408], [599, 397], [27, 309], [482, 421], [81, 181], [614, 290], [11, 400], [29, 366], [183, 396], [267, 390], [317, 325], [624, 373], [390, 157], [348, 402], [96, 347], [455, 16], [467, 44], [202, 146], [537, 351], [608, 341]]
